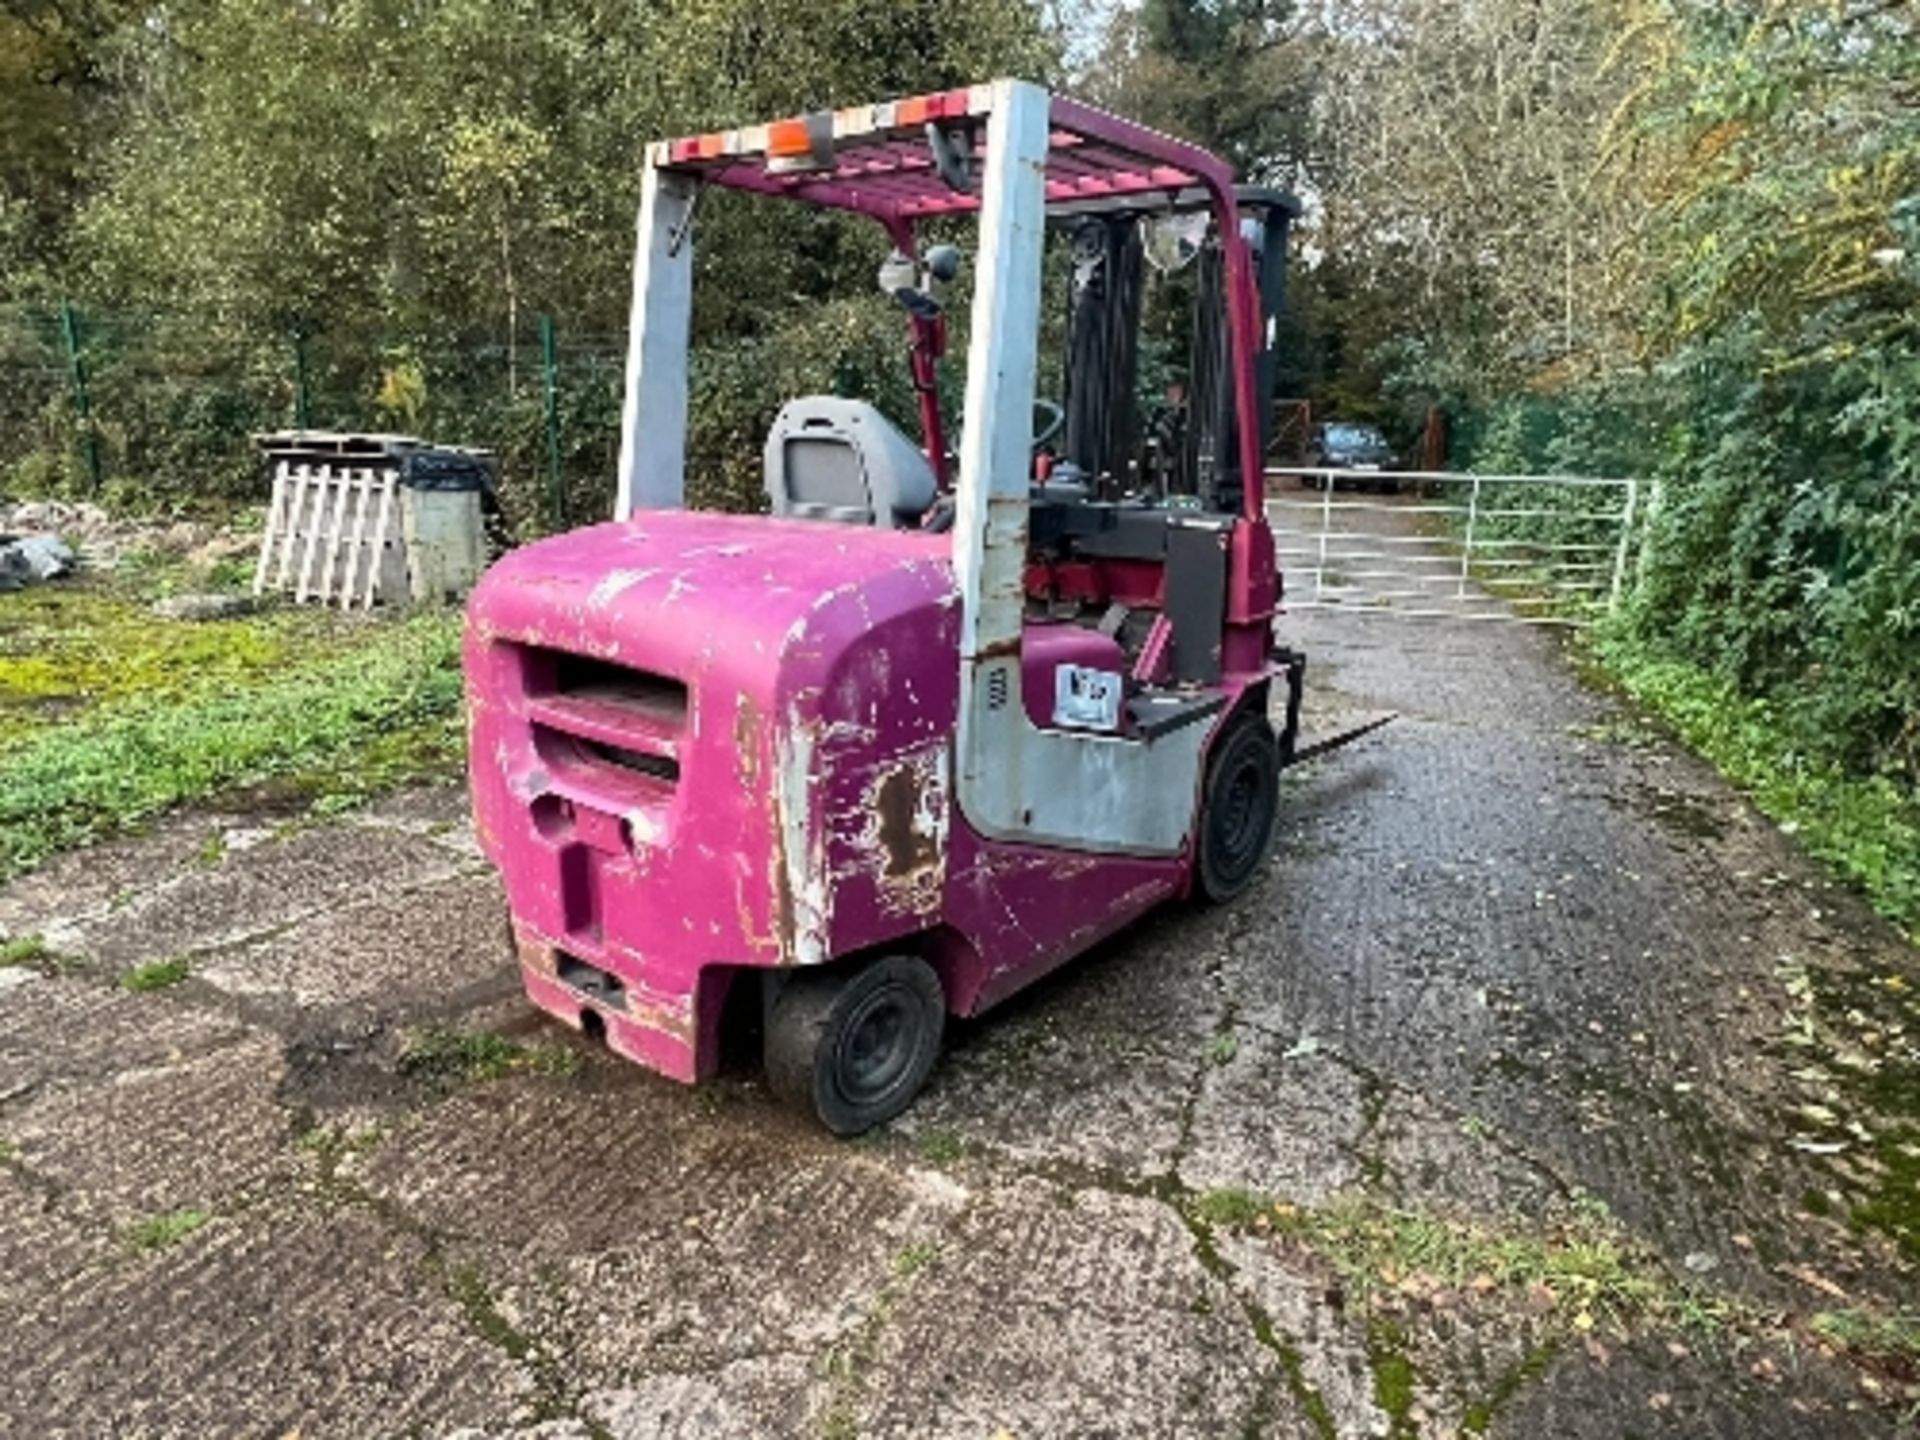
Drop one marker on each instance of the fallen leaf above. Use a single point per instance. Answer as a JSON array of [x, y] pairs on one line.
[[1660, 1400], [1807, 1275]]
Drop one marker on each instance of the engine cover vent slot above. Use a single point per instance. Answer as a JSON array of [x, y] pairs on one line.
[[586, 677]]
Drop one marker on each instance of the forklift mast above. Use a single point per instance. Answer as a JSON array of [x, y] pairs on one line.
[[1109, 423]]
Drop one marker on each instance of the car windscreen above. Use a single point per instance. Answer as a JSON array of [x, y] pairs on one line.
[[1353, 436]]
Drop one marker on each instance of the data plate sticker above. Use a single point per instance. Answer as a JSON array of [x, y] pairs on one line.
[[1086, 699]]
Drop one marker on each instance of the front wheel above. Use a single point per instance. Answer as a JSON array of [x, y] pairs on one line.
[[854, 1046], [1238, 807]]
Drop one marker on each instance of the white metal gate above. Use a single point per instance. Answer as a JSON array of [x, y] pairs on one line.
[[1549, 549]]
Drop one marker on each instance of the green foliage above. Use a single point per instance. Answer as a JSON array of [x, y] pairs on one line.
[[1774, 610], [110, 768], [1223, 75], [940, 1146], [70, 648], [386, 196], [1868, 828]]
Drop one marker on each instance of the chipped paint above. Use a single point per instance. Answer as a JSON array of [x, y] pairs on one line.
[[807, 889], [615, 582]]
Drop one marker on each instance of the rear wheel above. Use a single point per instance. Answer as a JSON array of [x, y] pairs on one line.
[[854, 1046], [1238, 807]]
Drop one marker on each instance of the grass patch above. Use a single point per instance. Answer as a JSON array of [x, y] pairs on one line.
[[1236, 1209], [23, 950], [156, 975], [940, 1146], [350, 722], [1872, 1335], [1585, 1268], [1866, 828], [160, 1231], [476, 1056]]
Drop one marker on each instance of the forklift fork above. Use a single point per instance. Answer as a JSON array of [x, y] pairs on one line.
[[1294, 663]]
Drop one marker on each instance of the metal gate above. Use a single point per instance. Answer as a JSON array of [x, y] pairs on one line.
[[1548, 549]]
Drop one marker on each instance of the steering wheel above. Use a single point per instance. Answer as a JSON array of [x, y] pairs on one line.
[[1056, 417]]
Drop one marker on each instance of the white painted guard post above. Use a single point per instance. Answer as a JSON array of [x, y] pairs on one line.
[[653, 416]]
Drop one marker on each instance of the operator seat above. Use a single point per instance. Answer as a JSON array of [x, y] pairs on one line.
[[833, 459]]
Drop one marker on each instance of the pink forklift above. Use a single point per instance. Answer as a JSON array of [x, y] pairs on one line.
[[931, 727]]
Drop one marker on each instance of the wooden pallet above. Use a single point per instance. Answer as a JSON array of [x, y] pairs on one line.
[[333, 532]]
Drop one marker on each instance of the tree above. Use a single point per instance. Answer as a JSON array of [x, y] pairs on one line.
[[1455, 157], [1227, 74], [55, 119]]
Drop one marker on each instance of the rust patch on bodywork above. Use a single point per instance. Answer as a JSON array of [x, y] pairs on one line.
[[746, 740], [906, 847], [907, 834]]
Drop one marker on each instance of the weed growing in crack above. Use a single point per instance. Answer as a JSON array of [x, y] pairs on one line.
[[335, 1149], [1393, 1378], [160, 1231], [940, 1146], [156, 975], [473, 1056], [23, 950], [470, 1291], [1236, 1209], [914, 1258], [847, 1363]]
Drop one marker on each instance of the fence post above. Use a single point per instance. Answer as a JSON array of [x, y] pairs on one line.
[[302, 414], [556, 494], [1326, 524], [77, 380], [1620, 551], [1466, 551], [1656, 497]]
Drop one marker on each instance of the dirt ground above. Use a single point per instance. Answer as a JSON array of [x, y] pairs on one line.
[[1516, 959]]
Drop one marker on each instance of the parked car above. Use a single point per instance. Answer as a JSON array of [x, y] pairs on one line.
[[1346, 445]]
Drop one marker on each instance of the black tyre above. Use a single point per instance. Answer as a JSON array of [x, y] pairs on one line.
[[1238, 807], [854, 1046]]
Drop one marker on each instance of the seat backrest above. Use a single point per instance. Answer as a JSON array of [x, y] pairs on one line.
[[834, 459]]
